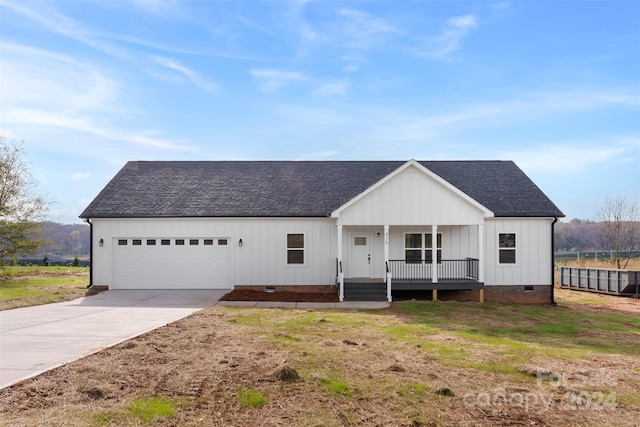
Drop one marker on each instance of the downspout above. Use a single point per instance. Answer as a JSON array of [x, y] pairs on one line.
[[553, 260], [88, 221]]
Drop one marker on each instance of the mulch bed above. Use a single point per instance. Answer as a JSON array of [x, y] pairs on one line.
[[280, 296]]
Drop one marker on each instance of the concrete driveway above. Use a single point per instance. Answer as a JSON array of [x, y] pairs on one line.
[[36, 339]]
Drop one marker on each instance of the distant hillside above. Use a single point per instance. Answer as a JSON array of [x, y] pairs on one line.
[[64, 240]]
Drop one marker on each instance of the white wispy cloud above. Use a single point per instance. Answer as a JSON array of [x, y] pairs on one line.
[[520, 109], [330, 89], [51, 19], [191, 75], [272, 80], [451, 37], [353, 62], [80, 176], [157, 7], [570, 157], [47, 90], [112, 44], [51, 80], [88, 126], [251, 24], [363, 31]]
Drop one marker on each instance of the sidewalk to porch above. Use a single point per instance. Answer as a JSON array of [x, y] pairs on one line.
[[357, 305]]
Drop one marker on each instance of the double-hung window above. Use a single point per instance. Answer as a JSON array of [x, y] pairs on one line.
[[507, 248], [295, 249], [418, 248], [428, 252]]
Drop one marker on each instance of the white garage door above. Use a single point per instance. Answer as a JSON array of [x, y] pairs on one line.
[[162, 263]]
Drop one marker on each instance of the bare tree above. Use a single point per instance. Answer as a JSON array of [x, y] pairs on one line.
[[618, 219], [20, 208]]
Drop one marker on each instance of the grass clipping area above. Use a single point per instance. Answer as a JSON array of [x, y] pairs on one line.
[[415, 364]]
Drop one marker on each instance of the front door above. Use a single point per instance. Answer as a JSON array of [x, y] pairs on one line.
[[360, 255]]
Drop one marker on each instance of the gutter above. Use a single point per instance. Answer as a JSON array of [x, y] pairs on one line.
[[553, 276], [88, 221]]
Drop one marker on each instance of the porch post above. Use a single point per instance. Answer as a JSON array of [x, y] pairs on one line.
[[387, 274], [434, 254], [481, 253], [340, 273]]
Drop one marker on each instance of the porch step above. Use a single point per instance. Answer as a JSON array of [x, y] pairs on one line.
[[365, 292]]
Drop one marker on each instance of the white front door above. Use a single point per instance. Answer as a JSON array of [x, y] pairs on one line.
[[360, 255]]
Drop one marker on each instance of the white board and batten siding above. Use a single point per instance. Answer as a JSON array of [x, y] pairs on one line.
[[533, 251], [411, 197], [262, 259]]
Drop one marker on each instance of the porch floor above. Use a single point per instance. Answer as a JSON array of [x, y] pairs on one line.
[[442, 285]]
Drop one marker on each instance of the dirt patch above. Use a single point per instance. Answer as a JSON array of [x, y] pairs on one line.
[[283, 296], [202, 363]]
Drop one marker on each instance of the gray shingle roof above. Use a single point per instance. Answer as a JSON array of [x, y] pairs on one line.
[[295, 189]]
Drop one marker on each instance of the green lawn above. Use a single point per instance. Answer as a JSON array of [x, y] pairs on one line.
[[26, 286]]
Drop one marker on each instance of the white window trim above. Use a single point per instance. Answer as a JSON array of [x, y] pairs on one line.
[[515, 249], [424, 248], [303, 249]]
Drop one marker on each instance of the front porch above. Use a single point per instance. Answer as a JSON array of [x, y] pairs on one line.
[[373, 262], [453, 275], [411, 229]]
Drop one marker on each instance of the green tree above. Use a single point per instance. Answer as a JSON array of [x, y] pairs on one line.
[[20, 208]]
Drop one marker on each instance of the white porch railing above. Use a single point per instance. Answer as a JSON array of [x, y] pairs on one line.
[[448, 269]]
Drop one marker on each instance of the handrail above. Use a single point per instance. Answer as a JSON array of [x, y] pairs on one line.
[[456, 269]]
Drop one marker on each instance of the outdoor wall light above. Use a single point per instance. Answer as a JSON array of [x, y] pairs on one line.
[[101, 242], [240, 242]]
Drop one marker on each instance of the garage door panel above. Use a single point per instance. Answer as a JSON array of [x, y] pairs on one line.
[[171, 266]]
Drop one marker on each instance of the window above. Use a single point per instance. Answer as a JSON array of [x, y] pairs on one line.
[[295, 249], [413, 248], [207, 242], [222, 242], [122, 242], [507, 248], [360, 241], [136, 242], [194, 242], [417, 248], [151, 242], [428, 255], [165, 242], [180, 242]]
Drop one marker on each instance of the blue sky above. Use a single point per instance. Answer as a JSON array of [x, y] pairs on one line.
[[552, 85]]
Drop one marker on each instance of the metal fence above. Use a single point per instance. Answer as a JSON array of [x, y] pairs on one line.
[[610, 281]]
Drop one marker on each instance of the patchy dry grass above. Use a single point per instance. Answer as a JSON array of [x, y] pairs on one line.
[[415, 364], [27, 286]]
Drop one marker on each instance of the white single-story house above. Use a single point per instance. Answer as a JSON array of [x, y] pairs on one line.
[[364, 229]]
